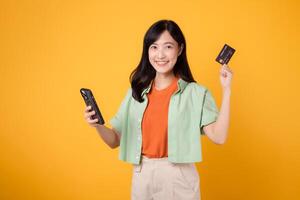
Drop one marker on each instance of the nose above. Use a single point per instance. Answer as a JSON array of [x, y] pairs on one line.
[[160, 54]]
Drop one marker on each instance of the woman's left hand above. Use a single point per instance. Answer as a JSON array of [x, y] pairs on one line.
[[225, 76]]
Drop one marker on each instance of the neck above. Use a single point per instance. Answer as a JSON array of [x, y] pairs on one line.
[[162, 81]]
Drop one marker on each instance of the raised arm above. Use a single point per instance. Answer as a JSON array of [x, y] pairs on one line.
[[218, 131]]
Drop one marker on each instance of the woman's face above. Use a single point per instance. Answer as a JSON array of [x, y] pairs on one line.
[[163, 53]]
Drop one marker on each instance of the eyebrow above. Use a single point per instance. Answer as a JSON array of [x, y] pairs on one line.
[[165, 43]]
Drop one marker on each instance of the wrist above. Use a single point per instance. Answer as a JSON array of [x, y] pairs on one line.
[[227, 91], [98, 126]]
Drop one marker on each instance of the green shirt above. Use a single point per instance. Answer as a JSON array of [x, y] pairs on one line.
[[191, 107]]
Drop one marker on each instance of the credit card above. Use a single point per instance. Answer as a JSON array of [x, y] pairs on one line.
[[225, 54]]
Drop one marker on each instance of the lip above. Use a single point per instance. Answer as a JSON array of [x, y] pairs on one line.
[[161, 63]]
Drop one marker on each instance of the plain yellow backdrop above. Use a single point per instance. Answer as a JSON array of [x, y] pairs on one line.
[[50, 49]]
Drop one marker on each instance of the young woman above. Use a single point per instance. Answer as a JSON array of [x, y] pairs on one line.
[[160, 120]]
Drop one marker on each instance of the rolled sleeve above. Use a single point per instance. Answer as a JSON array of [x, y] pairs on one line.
[[118, 120], [210, 111], [116, 123]]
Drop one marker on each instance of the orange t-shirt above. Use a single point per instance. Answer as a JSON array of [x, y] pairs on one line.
[[155, 121]]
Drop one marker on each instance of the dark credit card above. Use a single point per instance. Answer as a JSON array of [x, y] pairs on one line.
[[225, 54]]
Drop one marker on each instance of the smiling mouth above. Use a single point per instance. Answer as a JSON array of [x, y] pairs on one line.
[[161, 63]]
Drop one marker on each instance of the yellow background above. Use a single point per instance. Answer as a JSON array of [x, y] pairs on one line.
[[50, 49]]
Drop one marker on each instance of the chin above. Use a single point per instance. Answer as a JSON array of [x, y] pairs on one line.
[[162, 69]]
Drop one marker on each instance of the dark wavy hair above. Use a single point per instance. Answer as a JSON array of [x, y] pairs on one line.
[[144, 73]]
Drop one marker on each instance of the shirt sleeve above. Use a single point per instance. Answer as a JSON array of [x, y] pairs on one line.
[[210, 111], [118, 120]]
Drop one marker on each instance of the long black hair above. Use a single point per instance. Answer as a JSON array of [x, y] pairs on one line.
[[144, 73]]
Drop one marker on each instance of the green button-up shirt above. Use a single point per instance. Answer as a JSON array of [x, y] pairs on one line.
[[191, 107]]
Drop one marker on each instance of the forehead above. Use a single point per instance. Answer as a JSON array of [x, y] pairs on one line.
[[165, 37]]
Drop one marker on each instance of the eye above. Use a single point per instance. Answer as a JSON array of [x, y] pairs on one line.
[[153, 47], [169, 47]]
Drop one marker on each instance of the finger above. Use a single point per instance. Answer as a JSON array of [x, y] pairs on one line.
[[223, 73], [227, 69], [89, 114], [91, 121], [88, 108], [223, 70], [225, 66]]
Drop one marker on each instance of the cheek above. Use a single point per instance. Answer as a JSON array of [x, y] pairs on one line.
[[172, 55], [151, 59], [150, 55]]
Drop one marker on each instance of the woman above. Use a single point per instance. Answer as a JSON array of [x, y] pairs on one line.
[[159, 122]]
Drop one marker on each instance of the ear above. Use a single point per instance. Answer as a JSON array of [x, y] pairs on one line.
[[180, 50]]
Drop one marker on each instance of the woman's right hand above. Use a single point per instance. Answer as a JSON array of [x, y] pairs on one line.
[[87, 115]]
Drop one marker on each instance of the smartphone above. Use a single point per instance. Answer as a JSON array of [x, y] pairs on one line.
[[89, 100]]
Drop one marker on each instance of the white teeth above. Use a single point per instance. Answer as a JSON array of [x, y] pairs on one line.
[[161, 62]]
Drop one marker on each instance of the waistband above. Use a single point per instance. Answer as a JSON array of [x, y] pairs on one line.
[[146, 159]]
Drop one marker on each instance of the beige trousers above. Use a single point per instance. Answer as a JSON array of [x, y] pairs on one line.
[[159, 179]]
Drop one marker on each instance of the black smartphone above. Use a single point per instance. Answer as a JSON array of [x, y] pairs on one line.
[[89, 100]]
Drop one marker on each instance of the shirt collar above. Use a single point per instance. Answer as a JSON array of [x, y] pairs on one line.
[[180, 83]]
